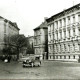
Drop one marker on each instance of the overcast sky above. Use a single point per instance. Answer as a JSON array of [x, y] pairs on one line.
[[29, 14]]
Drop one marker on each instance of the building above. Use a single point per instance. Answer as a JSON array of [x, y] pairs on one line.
[[64, 34], [30, 47], [40, 39], [7, 29], [31, 41]]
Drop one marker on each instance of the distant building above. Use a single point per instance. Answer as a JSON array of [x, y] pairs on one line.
[[40, 39], [64, 34], [30, 47], [7, 29], [31, 41]]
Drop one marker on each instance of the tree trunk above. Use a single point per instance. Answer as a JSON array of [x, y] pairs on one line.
[[17, 53]]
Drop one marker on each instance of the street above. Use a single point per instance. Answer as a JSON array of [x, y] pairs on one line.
[[48, 70]]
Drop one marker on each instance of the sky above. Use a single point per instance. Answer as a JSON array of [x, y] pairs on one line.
[[29, 14]]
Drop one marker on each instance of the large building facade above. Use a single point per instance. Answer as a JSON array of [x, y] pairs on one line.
[[7, 30], [64, 35], [40, 40]]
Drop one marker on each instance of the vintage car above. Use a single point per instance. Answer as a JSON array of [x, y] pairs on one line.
[[32, 61]]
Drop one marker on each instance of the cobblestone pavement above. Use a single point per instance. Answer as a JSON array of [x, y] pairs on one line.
[[48, 70]]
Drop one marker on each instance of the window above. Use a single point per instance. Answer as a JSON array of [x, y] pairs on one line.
[[5, 38], [64, 21], [57, 35], [60, 35], [53, 57], [78, 17], [74, 32], [60, 57], [79, 56], [64, 34], [64, 57], [73, 47], [69, 47], [69, 57], [69, 33], [79, 31], [73, 19], [50, 28], [50, 36], [57, 24], [64, 47], [53, 26], [50, 47], [60, 23], [50, 57], [56, 57], [57, 48], [79, 46], [60, 48], [68, 20], [73, 57]]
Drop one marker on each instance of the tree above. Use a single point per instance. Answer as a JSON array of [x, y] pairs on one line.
[[19, 41], [30, 49], [7, 50]]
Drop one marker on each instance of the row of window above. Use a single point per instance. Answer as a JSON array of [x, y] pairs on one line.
[[67, 34], [63, 21], [63, 57], [65, 48]]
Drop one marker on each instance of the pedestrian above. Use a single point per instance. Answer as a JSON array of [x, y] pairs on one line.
[[9, 58]]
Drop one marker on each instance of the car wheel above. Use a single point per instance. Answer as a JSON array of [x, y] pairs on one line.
[[32, 64], [23, 66]]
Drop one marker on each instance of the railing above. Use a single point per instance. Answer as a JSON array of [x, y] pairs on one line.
[[64, 29], [68, 28], [73, 25]]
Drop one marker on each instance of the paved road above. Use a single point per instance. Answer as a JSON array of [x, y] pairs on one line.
[[48, 70]]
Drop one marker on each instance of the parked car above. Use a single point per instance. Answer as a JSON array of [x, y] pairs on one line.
[[32, 61]]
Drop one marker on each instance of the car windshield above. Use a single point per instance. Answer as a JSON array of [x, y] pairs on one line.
[[37, 58]]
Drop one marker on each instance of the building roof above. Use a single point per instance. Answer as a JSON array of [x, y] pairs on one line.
[[63, 12], [42, 25], [12, 23]]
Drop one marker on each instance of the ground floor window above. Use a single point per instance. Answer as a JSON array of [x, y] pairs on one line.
[[69, 57], [79, 46], [50, 57], [53, 57], [79, 56], [56, 57], [60, 57], [74, 56], [64, 57]]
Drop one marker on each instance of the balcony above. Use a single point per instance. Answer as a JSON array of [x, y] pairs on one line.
[[68, 38], [77, 23], [73, 26], [68, 28], [60, 29], [64, 29], [64, 39]]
